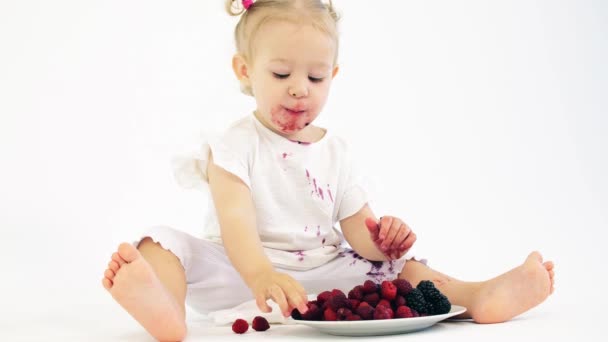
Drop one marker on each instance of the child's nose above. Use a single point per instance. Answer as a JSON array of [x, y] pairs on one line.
[[298, 89]]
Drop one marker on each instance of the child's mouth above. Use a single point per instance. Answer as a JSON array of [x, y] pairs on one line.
[[293, 111]]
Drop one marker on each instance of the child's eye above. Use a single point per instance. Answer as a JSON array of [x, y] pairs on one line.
[[315, 79], [280, 76]]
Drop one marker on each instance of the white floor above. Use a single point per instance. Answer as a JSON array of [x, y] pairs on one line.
[[91, 315], [106, 322]]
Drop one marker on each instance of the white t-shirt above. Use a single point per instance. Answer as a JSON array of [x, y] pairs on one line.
[[300, 191]]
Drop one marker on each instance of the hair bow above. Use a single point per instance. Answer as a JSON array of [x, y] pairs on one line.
[[247, 3]]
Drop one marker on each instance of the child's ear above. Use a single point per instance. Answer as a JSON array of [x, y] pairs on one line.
[[335, 71], [240, 68]]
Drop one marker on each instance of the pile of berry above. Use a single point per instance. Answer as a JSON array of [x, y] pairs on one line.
[[391, 299]]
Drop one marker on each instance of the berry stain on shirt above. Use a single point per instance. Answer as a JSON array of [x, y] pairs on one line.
[[300, 255], [329, 193], [317, 189]]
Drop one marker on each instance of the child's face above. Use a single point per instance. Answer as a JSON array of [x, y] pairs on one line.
[[292, 70]]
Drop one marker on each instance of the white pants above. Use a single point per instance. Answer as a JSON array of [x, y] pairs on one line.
[[214, 284]]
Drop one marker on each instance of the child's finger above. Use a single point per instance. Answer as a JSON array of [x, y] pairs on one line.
[[294, 304], [295, 299], [393, 230], [300, 290], [385, 225], [409, 241], [260, 300], [276, 293], [404, 230], [373, 227]]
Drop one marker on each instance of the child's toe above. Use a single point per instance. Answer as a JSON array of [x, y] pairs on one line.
[[113, 265], [119, 260]]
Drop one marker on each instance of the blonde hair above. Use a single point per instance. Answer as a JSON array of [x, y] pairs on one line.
[[322, 16]]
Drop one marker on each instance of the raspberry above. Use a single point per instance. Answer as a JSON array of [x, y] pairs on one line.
[[323, 297], [369, 287], [399, 301], [313, 313], [403, 286], [353, 318], [354, 304], [356, 293], [240, 326], [384, 302], [336, 292], [439, 303], [338, 301], [404, 312], [415, 300], [330, 315], [365, 311], [382, 312], [342, 313], [372, 299], [389, 290], [260, 324]]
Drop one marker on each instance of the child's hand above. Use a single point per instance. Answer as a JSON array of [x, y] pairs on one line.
[[282, 289], [391, 235]]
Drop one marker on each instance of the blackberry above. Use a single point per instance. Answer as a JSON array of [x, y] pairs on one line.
[[295, 314], [442, 306], [415, 300], [439, 302]]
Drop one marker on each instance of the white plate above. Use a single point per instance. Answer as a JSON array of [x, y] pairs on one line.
[[381, 326]]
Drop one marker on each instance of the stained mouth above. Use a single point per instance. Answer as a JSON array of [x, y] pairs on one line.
[[294, 112]]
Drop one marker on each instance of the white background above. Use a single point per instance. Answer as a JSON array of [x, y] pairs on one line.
[[483, 123]]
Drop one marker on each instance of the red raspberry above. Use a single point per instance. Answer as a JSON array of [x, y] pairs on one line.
[[403, 286], [323, 297], [338, 301], [314, 313], [240, 326], [260, 323], [382, 312], [389, 290], [365, 311], [342, 313], [404, 312], [369, 287], [336, 292], [356, 293], [384, 302], [372, 299], [330, 315], [354, 304], [353, 318], [399, 301]]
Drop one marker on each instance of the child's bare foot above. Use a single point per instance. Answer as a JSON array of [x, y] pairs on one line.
[[134, 285], [514, 292]]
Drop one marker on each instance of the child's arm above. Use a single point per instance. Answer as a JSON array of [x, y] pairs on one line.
[[378, 241], [236, 215]]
